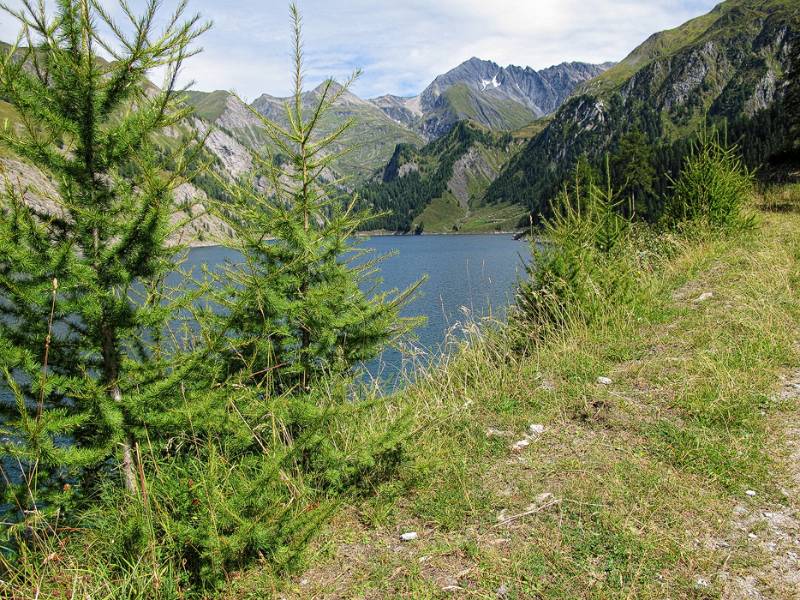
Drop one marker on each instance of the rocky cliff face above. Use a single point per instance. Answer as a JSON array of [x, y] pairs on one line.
[[733, 69], [237, 118], [234, 157], [503, 98], [406, 111], [191, 220], [731, 63], [540, 91], [476, 165]]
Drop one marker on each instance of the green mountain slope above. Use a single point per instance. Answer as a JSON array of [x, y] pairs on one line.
[[440, 187], [730, 66], [465, 103], [208, 105], [371, 140]]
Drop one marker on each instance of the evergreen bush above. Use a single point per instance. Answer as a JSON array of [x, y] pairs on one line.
[[581, 259], [713, 187], [302, 306], [83, 304]]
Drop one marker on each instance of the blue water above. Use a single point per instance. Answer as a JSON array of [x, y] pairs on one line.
[[468, 277]]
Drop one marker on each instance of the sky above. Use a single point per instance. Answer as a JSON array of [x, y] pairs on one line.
[[401, 45]]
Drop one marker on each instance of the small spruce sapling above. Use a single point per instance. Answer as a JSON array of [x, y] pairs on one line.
[[303, 306], [89, 123]]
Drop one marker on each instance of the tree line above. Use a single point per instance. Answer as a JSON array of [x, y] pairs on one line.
[[399, 200]]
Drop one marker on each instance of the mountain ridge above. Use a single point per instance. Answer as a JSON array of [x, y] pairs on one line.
[[499, 97], [726, 68], [385, 121]]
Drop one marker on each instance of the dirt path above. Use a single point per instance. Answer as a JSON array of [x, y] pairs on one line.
[[770, 528]]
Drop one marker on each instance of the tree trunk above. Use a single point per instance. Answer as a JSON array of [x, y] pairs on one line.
[[111, 368], [127, 454]]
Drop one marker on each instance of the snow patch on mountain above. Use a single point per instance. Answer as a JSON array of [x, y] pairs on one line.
[[492, 83]]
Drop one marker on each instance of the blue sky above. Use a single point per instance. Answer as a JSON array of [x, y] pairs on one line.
[[401, 45]]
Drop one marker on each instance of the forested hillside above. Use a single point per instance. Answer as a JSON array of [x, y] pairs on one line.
[[440, 186], [731, 67]]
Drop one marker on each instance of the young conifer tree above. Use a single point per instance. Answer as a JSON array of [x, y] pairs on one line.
[[81, 286], [299, 309]]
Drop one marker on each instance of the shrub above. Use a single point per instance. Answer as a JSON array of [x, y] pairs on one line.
[[712, 188], [580, 261]]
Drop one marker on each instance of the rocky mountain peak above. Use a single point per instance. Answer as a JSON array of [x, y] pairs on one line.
[[347, 98]]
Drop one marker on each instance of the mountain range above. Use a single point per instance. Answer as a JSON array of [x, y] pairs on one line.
[[728, 69], [501, 98], [485, 147]]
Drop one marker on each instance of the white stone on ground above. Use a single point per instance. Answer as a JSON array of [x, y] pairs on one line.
[[704, 296], [536, 429], [521, 445]]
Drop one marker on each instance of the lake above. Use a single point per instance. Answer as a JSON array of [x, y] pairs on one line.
[[469, 276]]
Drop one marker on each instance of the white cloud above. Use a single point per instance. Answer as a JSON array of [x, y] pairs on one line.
[[403, 45]]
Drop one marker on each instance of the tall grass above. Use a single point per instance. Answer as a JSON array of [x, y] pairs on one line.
[[589, 254], [211, 506]]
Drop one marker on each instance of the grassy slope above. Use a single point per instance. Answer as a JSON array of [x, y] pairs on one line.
[[493, 217], [500, 114], [445, 214], [208, 105], [7, 114], [696, 31], [370, 141], [440, 215], [531, 130], [658, 45], [646, 473]]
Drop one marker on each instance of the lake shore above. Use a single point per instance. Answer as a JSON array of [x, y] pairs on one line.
[[603, 450], [386, 233], [476, 272]]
